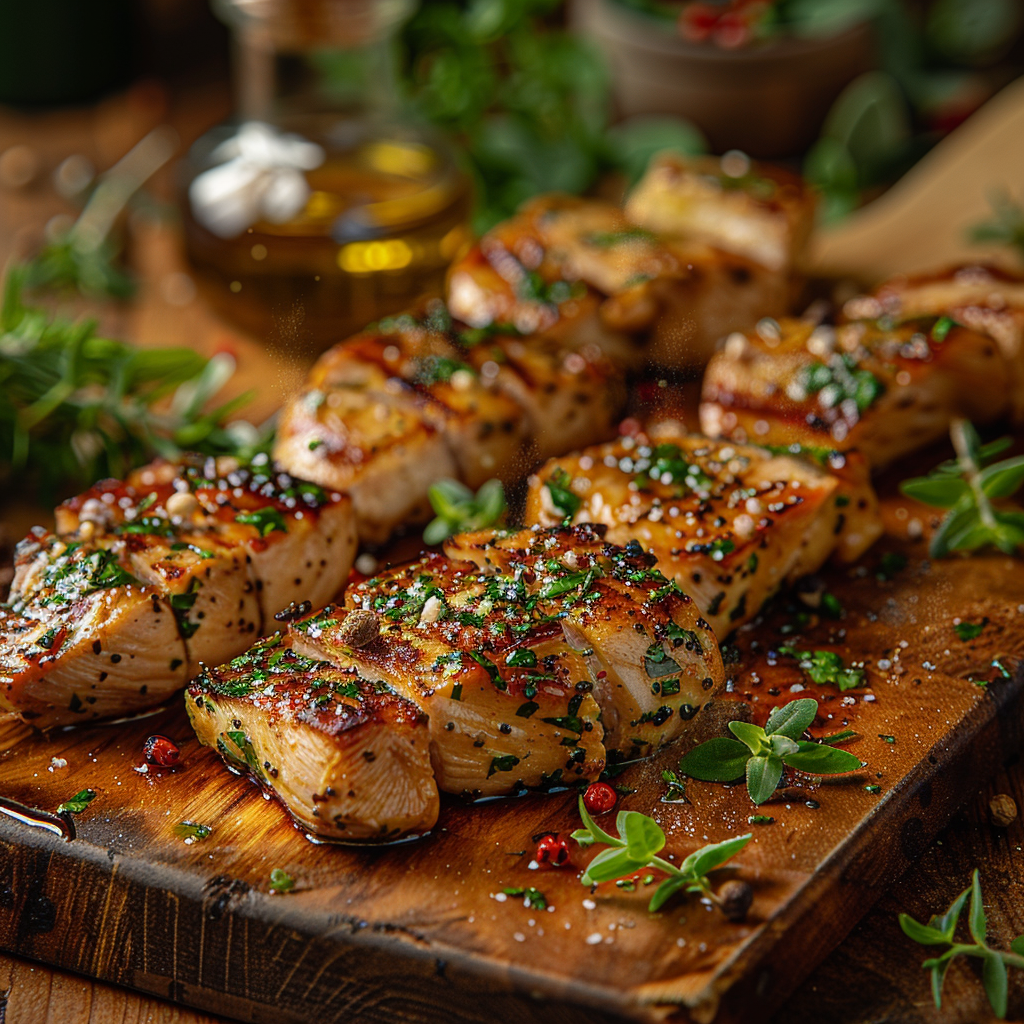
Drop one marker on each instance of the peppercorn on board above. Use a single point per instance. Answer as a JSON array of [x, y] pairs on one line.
[[419, 931]]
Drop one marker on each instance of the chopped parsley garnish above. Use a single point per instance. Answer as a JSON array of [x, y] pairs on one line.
[[840, 380], [827, 668], [533, 899], [78, 802], [504, 763], [668, 466], [181, 605], [281, 881], [266, 520], [559, 489], [970, 630], [192, 831]]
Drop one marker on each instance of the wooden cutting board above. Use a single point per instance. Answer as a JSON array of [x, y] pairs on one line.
[[419, 932]]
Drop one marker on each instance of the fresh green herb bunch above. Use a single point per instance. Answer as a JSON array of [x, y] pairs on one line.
[[75, 407], [762, 754], [67, 265], [940, 931], [637, 846], [459, 510], [527, 101], [968, 486]]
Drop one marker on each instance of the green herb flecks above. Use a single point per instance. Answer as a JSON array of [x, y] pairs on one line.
[[266, 520], [281, 881], [459, 510], [77, 803], [941, 931], [559, 490], [973, 489], [533, 899], [826, 668], [970, 630], [675, 791], [636, 848], [763, 754], [181, 605], [191, 831], [840, 380], [667, 465]]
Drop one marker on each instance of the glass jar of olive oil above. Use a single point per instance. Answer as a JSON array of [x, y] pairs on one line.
[[319, 208]]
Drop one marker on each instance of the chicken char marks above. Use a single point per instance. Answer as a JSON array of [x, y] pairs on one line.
[[532, 657], [144, 579], [730, 523], [880, 387], [415, 399]]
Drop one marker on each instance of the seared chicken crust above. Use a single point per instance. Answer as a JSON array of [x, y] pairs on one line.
[[349, 759], [533, 656], [146, 578], [730, 523], [884, 389]]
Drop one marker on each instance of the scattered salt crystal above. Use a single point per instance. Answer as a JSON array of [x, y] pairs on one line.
[[594, 938], [500, 897], [589, 905], [57, 762], [519, 937]]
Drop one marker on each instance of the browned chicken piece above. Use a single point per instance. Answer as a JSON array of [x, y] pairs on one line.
[[390, 411], [521, 646], [568, 396], [738, 229], [146, 578], [183, 524], [755, 210], [549, 269], [985, 298], [730, 523], [348, 758], [882, 389], [82, 638]]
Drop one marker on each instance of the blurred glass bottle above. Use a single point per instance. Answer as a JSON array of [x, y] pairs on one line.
[[319, 209]]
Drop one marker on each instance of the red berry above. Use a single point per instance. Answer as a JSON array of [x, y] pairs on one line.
[[161, 751], [599, 798], [732, 31], [553, 850], [697, 21]]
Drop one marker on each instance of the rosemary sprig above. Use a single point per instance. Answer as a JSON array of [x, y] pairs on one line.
[[75, 407], [940, 931], [763, 754], [968, 487], [637, 846], [459, 510]]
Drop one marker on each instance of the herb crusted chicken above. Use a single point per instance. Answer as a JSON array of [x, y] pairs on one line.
[[533, 657], [144, 579]]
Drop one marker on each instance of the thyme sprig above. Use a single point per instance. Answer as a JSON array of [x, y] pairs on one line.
[[763, 754], [969, 486], [636, 848], [940, 931]]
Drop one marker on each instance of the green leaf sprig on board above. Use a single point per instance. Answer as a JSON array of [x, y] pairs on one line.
[[459, 510], [636, 848], [941, 931], [76, 407], [826, 668], [969, 487], [763, 754]]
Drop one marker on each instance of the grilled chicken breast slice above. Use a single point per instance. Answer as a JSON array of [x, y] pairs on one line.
[[757, 211], [505, 714], [653, 660], [984, 298], [569, 396], [82, 638], [358, 430], [884, 390], [192, 527], [349, 759], [731, 524]]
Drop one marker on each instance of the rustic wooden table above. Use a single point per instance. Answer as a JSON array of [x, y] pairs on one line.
[[875, 974]]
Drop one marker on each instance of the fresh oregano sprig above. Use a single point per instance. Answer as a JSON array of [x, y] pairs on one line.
[[968, 486], [636, 848], [459, 510], [940, 931], [762, 754]]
